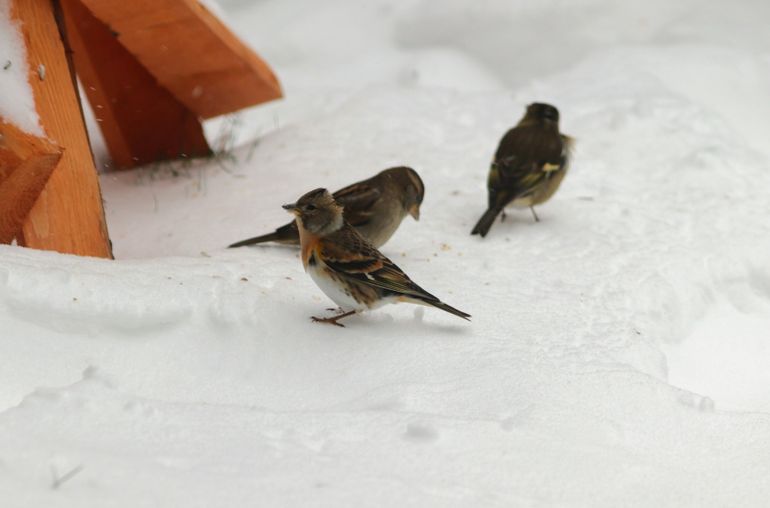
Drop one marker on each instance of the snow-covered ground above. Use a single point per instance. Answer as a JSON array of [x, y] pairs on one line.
[[619, 348]]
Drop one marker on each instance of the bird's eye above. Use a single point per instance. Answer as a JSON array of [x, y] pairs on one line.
[[309, 208]]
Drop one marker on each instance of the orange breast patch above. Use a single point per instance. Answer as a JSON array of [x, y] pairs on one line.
[[311, 244]]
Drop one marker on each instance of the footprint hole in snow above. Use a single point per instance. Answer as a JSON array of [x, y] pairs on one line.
[[420, 433]]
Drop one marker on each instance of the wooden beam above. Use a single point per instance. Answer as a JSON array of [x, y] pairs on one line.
[[68, 217], [26, 163], [141, 121], [191, 53]]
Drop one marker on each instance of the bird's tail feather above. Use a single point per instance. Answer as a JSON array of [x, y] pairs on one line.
[[486, 221], [287, 234], [448, 308]]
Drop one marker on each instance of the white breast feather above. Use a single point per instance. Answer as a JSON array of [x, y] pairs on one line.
[[332, 289]]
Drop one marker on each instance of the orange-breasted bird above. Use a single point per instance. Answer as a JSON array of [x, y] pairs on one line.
[[529, 165], [347, 267], [375, 207]]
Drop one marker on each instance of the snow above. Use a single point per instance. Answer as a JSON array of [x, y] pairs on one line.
[[724, 355], [17, 105], [618, 349]]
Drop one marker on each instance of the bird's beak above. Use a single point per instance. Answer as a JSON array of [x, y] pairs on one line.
[[291, 207], [414, 211]]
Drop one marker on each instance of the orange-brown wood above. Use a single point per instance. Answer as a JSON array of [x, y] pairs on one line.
[[141, 121], [68, 217], [190, 52], [26, 163]]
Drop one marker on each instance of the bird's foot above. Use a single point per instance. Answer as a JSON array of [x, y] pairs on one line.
[[534, 215], [333, 320], [328, 320]]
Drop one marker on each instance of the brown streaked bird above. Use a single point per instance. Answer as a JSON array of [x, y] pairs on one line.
[[375, 207], [529, 165], [349, 269]]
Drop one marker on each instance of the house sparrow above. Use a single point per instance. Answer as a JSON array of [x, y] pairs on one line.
[[375, 207]]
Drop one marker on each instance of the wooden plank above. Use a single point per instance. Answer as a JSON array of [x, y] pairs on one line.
[[68, 217], [22, 144], [191, 53], [26, 163], [141, 121]]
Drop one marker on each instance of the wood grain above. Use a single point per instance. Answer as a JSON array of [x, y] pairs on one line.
[[26, 164], [141, 121], [68, 216], [191, 53]]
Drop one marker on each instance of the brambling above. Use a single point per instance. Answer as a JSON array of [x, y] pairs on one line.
[[347, 267], [529, 165], [375, 207]]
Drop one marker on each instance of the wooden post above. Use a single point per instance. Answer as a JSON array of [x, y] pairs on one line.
[[190, 52], [141, 121], [152, 69], [26, 163], [68, 217]]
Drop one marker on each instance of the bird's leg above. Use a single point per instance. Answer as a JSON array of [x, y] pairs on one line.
[[333, 320], [534, 215], [502, 216]]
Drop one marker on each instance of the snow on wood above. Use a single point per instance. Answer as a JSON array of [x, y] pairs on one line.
[[17, 105]]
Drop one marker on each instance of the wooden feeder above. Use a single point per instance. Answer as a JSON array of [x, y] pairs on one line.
[[151, 69]]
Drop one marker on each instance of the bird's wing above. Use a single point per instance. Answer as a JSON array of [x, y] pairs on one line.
[[525, 160], [358, 201], [350, 256]]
